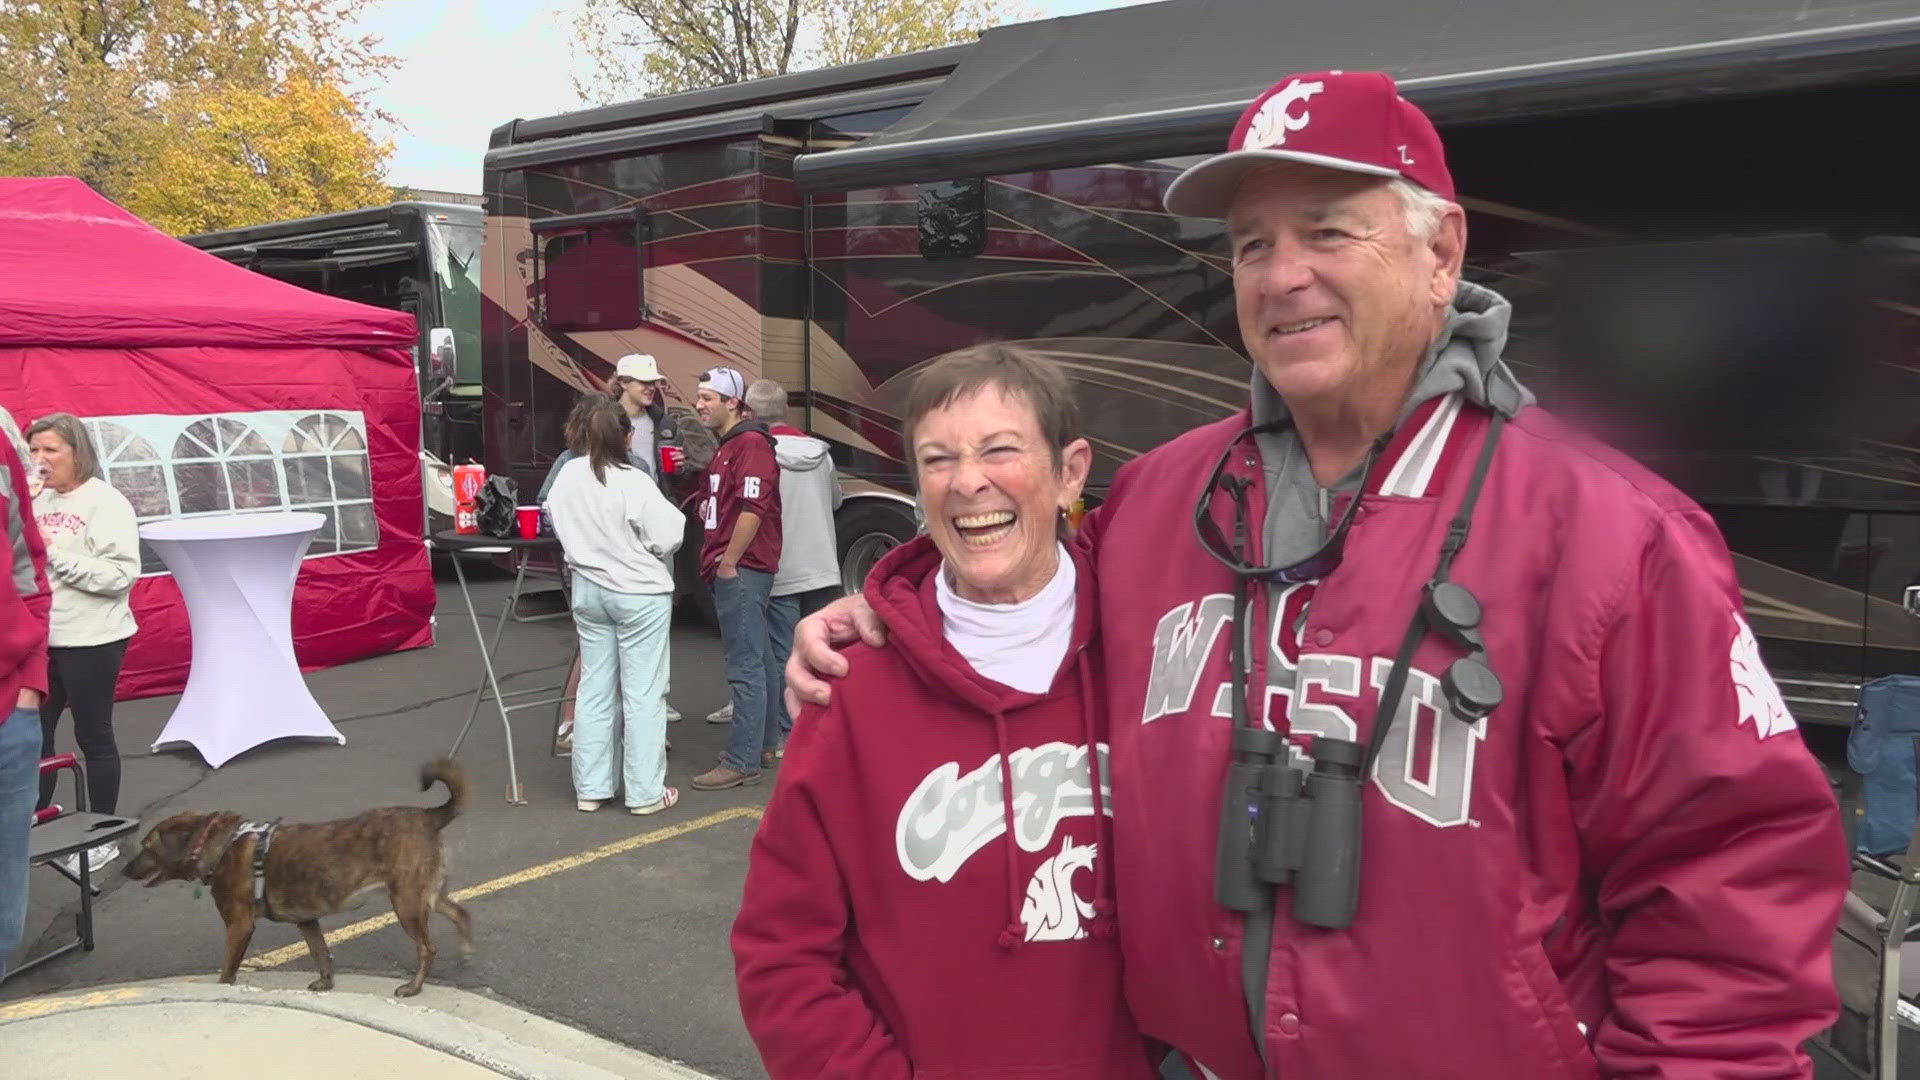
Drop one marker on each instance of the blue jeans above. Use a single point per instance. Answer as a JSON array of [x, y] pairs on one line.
[[19, 787], [623, 675], [744, 606], [786, 613]]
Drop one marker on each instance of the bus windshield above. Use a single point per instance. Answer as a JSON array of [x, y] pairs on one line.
[[454, 250]]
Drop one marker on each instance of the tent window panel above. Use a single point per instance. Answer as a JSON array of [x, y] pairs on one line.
[[237, 438], [145, 486], [203, 487], [358, 529], [199, 440], [350, 478], [256, 483], [328, 538], [308, 481]]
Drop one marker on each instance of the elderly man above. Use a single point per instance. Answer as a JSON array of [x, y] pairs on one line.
[[1514, 661]]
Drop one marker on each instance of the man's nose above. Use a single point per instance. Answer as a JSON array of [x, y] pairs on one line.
[[1283, 272]]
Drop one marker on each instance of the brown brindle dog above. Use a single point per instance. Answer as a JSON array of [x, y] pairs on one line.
[[320, 869]]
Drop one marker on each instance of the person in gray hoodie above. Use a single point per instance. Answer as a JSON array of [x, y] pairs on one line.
[[809, 575]]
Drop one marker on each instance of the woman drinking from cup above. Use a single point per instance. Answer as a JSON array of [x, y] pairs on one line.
[[93, 558]]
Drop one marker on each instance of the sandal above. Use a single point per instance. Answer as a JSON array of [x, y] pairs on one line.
[[669, 799]]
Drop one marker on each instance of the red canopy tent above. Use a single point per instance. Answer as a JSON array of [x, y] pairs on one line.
[[211, 389]]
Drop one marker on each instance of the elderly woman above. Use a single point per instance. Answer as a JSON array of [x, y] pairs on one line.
[[619, 533], [929, 890], [93, 558]]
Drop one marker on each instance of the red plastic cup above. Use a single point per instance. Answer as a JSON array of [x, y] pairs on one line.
[[670, 458], [529, 518]]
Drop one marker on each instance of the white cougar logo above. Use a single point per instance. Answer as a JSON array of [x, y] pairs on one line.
[[1758, 695], [1275, 118], [1053, 911]]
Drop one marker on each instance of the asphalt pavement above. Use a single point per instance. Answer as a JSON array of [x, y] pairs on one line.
[[610, 926], [613, 924]]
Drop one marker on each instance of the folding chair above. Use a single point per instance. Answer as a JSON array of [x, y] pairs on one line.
[[1875, 965], [56, 834]]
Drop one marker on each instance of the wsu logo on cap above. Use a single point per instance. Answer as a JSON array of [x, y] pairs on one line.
[[1275, 118]]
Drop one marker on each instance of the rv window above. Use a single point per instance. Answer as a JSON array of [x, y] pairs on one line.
[[953, 219], [590, 279]]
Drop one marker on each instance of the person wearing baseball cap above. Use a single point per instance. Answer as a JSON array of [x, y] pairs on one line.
[[1553, 817], [740, 511]]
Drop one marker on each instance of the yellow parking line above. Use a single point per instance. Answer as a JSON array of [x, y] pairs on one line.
[[532, 873]]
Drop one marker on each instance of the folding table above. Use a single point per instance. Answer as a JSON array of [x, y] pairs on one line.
[[236, 573], [456, 544]]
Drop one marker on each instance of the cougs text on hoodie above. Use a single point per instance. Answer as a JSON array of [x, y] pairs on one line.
[[908, 910]]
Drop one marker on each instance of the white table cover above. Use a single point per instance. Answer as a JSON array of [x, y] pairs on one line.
[[236, 573]]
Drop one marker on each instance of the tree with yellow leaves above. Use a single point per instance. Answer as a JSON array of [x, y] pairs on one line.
[[195, 114], [648, 47]]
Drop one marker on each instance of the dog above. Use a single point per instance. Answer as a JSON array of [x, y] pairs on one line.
[[318, 869]]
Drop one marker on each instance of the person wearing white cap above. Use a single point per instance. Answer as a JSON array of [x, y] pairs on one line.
[[740, 511], [1397, 598]]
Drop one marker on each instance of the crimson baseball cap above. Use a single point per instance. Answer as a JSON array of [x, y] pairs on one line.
[[1355, 121]]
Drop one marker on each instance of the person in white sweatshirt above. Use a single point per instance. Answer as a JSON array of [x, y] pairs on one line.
[[619, 533], [93, 559]]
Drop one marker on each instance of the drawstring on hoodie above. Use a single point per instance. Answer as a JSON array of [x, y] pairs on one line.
[[1103, 924], [1015, 931]]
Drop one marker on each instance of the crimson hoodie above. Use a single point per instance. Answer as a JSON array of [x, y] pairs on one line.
[[889, 927], [25, 600]]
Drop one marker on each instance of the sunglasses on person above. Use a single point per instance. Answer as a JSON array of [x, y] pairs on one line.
[[1315, 566]]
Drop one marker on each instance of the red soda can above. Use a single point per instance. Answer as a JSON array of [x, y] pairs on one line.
[[468, 479]]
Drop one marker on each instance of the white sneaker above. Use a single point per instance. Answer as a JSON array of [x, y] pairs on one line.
[[588, 806], [673, 714], [721, 715], [97, 859]]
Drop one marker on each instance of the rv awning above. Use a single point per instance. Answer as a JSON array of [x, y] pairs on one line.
[[1170, 78]]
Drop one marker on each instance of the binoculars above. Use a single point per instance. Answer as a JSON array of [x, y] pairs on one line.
[[1281, 825]]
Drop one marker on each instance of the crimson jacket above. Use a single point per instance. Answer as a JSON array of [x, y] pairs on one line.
[[742, 476], [1633, 867], [25, 600], [907, 912]]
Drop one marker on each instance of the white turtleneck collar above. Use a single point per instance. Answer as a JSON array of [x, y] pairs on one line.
[[1017, 645]]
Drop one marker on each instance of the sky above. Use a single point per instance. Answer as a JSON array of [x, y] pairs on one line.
[[468, 67]]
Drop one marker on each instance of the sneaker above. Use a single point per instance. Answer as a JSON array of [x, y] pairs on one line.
[[97, 859], [668, 800], [721, 715], [724, 776], [673, 714], [588, 806], [769, 758]]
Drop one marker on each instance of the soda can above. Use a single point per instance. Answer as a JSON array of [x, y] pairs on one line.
[[546, 520], [466, 518], [468, 479]]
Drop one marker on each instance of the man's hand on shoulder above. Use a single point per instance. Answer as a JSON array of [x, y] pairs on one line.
[[814, 659]]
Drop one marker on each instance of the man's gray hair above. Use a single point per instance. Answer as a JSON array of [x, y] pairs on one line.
[[768, 400], [1424, 208]]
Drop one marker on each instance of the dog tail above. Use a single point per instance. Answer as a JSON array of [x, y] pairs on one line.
[[452, 775]]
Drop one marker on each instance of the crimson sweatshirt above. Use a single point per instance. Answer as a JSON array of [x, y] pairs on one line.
[[905, 914], [25, 600]]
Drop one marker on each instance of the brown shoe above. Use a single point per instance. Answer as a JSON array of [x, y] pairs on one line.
[[724, 776], [769, 759]]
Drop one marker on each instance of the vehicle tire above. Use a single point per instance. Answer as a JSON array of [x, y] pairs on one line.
[[866, 531]]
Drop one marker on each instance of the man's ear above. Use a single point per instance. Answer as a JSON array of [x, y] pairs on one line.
[[1448, 245]]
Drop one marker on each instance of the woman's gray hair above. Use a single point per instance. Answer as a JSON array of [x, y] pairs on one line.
[[86, 462], [1424, 208]]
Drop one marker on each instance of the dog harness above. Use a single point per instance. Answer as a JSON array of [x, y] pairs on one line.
[[265, 832]]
